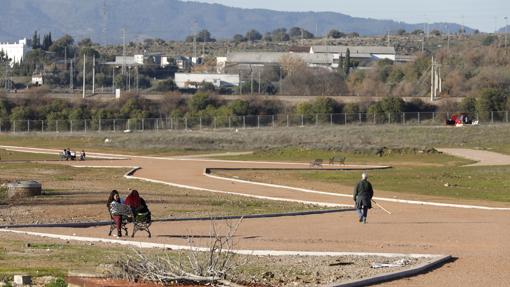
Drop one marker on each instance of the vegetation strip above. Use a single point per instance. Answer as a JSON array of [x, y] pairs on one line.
[[350, 196], [249, 216]]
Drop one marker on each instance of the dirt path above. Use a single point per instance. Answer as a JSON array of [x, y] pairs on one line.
[[478, 238], [482, 157]]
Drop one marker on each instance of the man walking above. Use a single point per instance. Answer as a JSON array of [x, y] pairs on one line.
[[363, 193]]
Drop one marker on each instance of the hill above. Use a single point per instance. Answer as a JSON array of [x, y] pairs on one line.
[[171, 20]]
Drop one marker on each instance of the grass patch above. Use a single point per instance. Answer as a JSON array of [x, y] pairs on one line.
[[350, 138], [7, 155], [413, 172]]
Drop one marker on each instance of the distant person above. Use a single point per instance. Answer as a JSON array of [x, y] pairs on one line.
[[82, 155], [68, 154], [64, 154], [362, 196], [136, 203], [117, 210]]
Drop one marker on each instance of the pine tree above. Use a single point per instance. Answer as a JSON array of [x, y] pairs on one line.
[[36, 41]]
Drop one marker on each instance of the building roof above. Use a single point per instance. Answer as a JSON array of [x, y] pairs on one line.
[[362, 50], [276, 57]]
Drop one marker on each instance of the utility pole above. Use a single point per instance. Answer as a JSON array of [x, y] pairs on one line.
[[93, 74], [71, 78], [435, 80], [124, 51], [506, 32], [113, 79], [388, 39], [84, 74], [447, 40], [194, 39]]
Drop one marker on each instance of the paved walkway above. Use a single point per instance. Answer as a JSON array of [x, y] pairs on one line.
[[482, 157], [478, 238]]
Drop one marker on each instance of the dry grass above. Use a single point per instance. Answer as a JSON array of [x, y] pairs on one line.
[[339, 138]]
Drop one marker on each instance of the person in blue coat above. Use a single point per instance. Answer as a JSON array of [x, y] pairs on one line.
[[363, 193]]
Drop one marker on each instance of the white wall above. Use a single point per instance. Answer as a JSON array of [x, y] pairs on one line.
[[182, 80], [15, 51]]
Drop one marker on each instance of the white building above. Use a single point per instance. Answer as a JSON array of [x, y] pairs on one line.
[[357, 52], [193, 81], [15, 51]]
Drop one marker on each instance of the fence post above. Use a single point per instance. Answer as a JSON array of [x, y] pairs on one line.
[[359, 118], [28, 125], [114, 125], [258, 122], [128, 126], [375, 120], [287, 120], [143, 124], [492, 117], [316, 119], [14, 125], [157, 125], [433, 116], [214, 123], [389, 118], [330, 119], [272, 118], [85, 125], [185, 123], [56, 126], [229, 122], [404, 118], [419, 118], [506, 116], [302, 121], [42, 126], [244, 122], [200, 126], [100, 124], [345, 119], [71, 125]]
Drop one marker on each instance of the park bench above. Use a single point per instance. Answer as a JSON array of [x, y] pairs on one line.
[[339, 159], [123, 224], [316, 163], [141, 222]]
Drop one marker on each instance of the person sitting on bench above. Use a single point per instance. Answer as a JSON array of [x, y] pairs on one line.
[[118, 210], [136, 203]]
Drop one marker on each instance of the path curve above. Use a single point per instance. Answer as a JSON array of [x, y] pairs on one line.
[[478, 238], [482, 157]]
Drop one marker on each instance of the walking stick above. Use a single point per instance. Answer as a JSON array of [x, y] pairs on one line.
[[381, 207]]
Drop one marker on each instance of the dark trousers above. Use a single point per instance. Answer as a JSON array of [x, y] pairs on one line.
[[362, 212]]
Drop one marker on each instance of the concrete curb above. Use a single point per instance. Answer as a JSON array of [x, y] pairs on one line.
[[146, 245], [207, 172], [422, 268]]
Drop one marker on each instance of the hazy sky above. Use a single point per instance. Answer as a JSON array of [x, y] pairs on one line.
[[484, 15]]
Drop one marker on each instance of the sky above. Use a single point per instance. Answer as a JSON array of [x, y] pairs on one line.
[[484, 15]]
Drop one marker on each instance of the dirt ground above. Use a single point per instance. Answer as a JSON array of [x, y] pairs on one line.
[[478, 239]]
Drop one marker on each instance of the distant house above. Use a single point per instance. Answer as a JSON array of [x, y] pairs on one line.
[[193, 81], [16, 51], [183, 63], [37, 79], [253, 60]]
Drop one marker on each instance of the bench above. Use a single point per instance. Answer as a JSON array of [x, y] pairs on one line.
[[123, 224], [339, 159], [316, 163], [141, 222]]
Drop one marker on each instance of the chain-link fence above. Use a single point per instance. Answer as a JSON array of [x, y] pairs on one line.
[[241, 122]]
